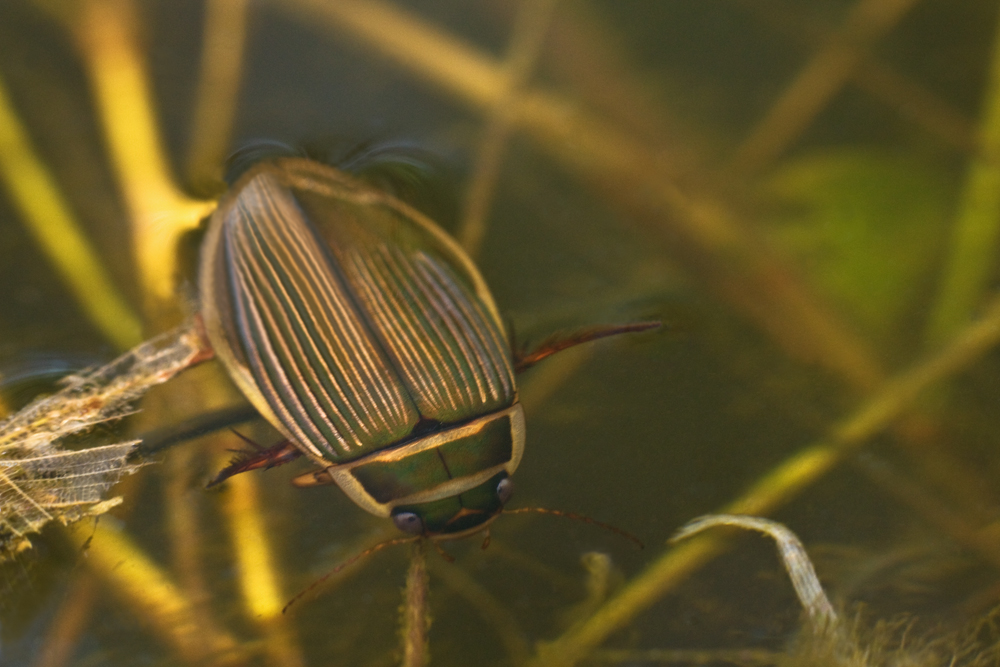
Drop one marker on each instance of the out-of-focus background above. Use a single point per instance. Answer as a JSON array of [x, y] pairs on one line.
[[807, 194]]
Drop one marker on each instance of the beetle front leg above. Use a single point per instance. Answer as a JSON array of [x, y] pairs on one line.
[[320, 477]]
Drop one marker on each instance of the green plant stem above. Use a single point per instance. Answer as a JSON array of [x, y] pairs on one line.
[[219, 81], [775, 489], [500, 620], [416, 610], [159, 212], [971, 256]]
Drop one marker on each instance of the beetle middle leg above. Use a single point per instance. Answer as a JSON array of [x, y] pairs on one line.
[[257, 457]]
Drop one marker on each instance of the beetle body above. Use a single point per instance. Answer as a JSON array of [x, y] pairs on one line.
[[364, 334]]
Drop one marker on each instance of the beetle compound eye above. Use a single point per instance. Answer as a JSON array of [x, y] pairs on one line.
[[408, 522], [505, 489]]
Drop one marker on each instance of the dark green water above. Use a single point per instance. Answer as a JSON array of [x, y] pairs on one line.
[[651, 431]]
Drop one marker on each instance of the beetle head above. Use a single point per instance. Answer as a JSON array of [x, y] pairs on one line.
[[458, 515]]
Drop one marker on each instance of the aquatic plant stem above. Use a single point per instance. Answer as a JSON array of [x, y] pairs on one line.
[[745, 657], [793, 556], [533, 19], [416, 609], [159, 211], [879, 79], [816, 83], [154, 598], [968, 266], [259, 580], [47, 216], [587, 52], [252, 549], [974, 244], [182, 513], [499, 619], [69, 623], [963, 529], [107, 36], [223, 43], [775, 489], [697, 229]]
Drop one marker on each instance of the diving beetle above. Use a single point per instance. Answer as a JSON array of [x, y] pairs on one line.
[[368, 338]]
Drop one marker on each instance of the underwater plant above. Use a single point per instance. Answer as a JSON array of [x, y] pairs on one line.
[[803, 192]]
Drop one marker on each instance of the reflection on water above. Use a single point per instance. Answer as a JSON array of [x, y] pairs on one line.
[[803, 192]]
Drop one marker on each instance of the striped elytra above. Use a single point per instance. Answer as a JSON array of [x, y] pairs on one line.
[[365, 335]]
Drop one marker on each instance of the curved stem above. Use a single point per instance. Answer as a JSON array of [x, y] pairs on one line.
[[774, 489]]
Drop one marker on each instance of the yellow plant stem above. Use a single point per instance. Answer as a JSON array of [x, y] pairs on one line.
[[148, 591], [974, 245], [775, 489], [199, 390], [223, 44], [159, 211], [47, 215], [5, 409], [253, 549]]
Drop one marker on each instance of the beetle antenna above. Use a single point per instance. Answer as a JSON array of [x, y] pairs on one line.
[[367, 552], [561, 340], [579, 517]]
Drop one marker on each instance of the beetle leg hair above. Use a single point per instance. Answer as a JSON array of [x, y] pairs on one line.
[[257, 457]]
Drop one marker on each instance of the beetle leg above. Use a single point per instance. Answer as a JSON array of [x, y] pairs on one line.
[[561, 340], [205, 349], [258, 457], [320, 477]]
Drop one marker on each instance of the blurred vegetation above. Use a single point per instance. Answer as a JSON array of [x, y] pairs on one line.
[[805, 192], [870, 226]]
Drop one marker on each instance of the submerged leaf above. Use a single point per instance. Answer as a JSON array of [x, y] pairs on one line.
[[41, 480], [867, 227]]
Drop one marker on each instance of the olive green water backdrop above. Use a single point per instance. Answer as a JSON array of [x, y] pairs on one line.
[[799, 190]]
